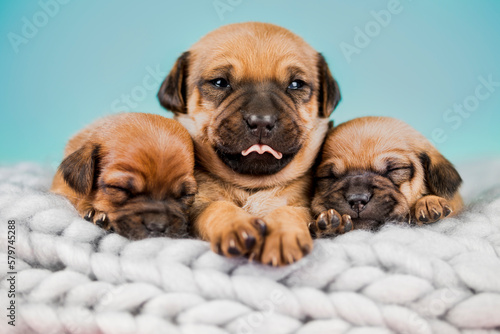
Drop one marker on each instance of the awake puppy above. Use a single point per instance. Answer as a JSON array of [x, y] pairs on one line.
[[378, 169], [132, 173], [256, 99]]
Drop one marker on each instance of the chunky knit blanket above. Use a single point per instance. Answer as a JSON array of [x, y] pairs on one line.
[[71, 277]]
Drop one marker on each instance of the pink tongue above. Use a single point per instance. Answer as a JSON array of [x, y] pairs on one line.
[[261, 149]]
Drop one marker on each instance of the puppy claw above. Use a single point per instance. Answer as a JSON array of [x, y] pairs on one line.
[[101, 221], [348, 223], [232, 249], [436, 215], [431, 208], [331, 223], [286, 246], [447, 210], [248, 240], [422, 217], [244, 238], [322, 225], [88, 217], [261, 226], [334, 220]]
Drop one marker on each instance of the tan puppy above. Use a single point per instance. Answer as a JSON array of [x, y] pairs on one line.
[[379, 169], [132, 173], [256, 100]]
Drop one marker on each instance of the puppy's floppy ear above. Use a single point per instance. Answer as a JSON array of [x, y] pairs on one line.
[[172, 94], [79, 168], [329, 92], [441, 177]]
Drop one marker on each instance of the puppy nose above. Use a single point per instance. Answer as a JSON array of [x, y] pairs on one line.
[[358, 201], [261, 125], [156, 225]]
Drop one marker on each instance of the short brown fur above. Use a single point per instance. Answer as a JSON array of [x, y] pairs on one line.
[[132, 173], [379, 169], [253, 206]]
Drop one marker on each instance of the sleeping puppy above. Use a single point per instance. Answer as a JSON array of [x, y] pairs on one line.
[[132, 173], [378, 169], [256, 99]]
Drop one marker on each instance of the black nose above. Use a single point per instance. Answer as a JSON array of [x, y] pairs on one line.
[[156, 225], [358, 201], [261, 125]]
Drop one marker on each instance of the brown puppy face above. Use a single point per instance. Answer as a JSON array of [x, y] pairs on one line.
[[376, 169], [256, 100], [132, 173]]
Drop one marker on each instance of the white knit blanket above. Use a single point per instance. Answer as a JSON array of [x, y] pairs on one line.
[[73, 278]]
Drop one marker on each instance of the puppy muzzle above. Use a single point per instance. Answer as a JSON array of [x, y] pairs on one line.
[[370, 199]]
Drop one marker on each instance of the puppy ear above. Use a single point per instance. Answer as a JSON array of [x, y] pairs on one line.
[[79, 168], [329, 92], [172, 94], [441, 177]]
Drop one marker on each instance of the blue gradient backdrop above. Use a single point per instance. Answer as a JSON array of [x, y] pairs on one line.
[[84, 57]]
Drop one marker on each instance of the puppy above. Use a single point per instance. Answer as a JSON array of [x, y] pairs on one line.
[[379, 169], [256, 100], [132, 173]]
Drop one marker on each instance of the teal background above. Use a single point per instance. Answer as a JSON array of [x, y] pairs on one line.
[[78, 64]]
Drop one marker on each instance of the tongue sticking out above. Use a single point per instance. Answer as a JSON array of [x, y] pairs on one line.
[[261, 149]]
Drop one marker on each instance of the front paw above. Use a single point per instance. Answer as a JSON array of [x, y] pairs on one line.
[[98, 218], [286, 246], [430, 209], [244, 238], [330, 223]]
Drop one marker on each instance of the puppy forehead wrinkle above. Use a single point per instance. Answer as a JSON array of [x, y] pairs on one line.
[[253, 52]]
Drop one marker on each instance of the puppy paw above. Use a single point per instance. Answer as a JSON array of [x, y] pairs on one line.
[[98, 218], [284, 247], [330, 223], [244, 238], [430, 209]]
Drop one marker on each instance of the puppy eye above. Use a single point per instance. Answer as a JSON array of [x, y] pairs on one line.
[[326, 172], [220, 83], [390, 170], [296, 84], [120, 189], [400, 174]]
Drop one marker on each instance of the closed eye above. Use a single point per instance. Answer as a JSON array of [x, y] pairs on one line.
[[400, 174], [329, 177], [397, 168], [394, 166], [187, 191], [121, 189], [326, 172]]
